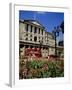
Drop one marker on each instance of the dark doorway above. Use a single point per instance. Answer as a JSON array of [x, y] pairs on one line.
[[35, 38]]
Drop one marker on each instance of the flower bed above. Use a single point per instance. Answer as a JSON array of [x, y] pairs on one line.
[[41, 69]]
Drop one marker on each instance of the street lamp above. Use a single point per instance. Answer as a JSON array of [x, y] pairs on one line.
[[40, 45], [56, 34]]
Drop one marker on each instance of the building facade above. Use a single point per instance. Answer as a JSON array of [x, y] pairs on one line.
[[33, 38]]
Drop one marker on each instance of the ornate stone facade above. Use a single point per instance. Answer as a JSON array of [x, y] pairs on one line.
[[33, 36]]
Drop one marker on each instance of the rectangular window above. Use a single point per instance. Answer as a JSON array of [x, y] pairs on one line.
[[30, 39], [26, 34], [39, 37], [35, 30], [31, 28], [26, 39], [27, 27], [42, 31], [47, 40], [30, 35], [39, 31]]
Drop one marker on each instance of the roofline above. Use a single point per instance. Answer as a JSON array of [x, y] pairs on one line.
[[35, 24], [30, 22]]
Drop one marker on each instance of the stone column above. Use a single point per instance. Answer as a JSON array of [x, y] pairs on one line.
[[37, 35], [33, 34], [29, 27], [22, 52]]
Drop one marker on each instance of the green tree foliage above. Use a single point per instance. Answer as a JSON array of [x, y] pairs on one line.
[[62, 26]]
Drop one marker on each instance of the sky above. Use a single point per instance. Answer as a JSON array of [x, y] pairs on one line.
[[48, 19]]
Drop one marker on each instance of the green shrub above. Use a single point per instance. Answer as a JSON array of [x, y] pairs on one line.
[[43, 69]]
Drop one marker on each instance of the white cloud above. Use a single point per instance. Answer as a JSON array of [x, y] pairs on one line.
[[40, 12]]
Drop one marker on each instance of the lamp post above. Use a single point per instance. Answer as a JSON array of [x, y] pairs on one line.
[[40, 45], [56, 34]]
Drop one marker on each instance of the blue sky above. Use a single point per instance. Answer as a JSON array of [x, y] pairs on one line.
[[48, 19]]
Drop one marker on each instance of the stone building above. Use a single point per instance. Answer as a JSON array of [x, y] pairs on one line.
[[34, 39]]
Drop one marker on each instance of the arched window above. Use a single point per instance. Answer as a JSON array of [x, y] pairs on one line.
[[35, 38]]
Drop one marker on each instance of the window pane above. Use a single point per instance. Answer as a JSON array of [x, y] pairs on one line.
[[31, 28], [42, 31], [35, 38], [39, 31], [26, 39], [35, 30], [27, 27]]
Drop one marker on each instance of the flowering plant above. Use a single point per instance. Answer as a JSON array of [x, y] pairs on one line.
[[41, 69]]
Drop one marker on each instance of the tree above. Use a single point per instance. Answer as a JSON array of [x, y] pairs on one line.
[[56, 34], [61, 43], [62, 27]]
